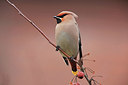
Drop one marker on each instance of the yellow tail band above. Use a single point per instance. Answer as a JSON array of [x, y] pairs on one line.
[[74, 72]]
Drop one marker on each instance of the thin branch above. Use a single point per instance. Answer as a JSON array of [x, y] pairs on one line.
[[36, 27]]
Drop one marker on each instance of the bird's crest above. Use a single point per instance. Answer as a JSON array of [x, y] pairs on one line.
[[66, 13]]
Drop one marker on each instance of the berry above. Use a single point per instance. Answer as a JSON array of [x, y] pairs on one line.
[[76, 83], [80, 75]]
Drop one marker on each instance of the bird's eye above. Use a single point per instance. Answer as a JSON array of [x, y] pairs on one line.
[[61, 16]]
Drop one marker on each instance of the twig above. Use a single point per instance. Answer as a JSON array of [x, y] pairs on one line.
[[38, 29]]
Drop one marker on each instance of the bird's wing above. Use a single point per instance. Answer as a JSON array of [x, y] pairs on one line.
[[80, 49]]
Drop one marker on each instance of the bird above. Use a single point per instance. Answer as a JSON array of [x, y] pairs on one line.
[[67, 36]]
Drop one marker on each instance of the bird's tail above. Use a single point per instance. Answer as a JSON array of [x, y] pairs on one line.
[[74, 67]]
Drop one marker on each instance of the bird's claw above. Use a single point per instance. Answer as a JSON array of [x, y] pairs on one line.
[[57, 48], [71, 58]]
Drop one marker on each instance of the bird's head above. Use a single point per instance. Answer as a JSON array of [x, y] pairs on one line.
[[65, 16]]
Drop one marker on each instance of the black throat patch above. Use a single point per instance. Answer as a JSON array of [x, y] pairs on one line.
[[58, 20]]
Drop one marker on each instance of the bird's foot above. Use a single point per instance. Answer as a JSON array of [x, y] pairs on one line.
[[71, 58], [57, 48]]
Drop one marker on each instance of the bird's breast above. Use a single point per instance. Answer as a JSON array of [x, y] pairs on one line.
[[67, 38]]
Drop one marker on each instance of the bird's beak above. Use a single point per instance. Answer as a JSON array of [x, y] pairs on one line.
[[58, 19], [55, 17]]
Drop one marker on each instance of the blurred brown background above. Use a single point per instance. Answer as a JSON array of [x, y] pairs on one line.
[[26, 58]]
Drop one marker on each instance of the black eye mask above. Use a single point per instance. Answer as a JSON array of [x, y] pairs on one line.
[[58, 20]]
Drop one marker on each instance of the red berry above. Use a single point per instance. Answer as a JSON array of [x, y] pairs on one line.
[[76, 83], [80, 75], [70, 83]]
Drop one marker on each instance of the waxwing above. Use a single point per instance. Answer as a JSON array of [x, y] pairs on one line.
[[68, 38]]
